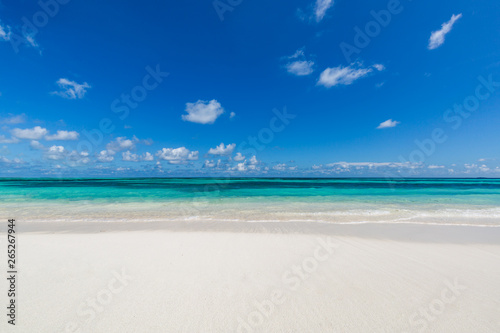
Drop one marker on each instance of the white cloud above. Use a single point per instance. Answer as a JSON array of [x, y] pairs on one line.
[[436, 166], [388, 123], [30, 39], [297, 54], [437, 37], [193, 156], [5, 33], [321, 7], [232, 115], [13, 120], [177, 155], [71, 89], [341, 75], [381, 164], [3, 139], [130, 157], [203, 112], [241, 167], [249, 165], [4, 159], [484, 168], [106, 156], [122, 143], [148, 157], [35, 133], [239, 157], [280, 167], [253, 160], [284, 167], [38, 133], [36, 145], [299, 66], [384, 167], [222, 150], [209, 164], [79, 158], [63, 136], [55, 153]]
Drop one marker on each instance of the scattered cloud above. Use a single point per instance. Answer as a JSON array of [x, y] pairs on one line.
[[130, 157], [6, 35], [71, 89], [63, 136], [209, 164], [56, 153], [5, 32], [388, 124], [360, 168], [179, 155], [39, 133], [3, 139], [36, 145], [106, 156], [341, 75], [253, 161], [203, 112], [284, 167], [320, 8], [239, 157], [222, 150], [75, 157], [280, 167], [148, 157], [248, 165], [232, 115], [4, 159], [300, 67], [241, 167], [437, 37], [13, 119], [122, 143], [35, 133], [30, 39], [298, 64]]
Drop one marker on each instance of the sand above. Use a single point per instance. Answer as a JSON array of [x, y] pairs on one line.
[[254, 277]]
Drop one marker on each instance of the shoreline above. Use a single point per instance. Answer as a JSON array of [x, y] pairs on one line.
[[410, 231]]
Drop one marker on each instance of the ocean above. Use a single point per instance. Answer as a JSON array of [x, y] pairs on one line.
[[345, 200]]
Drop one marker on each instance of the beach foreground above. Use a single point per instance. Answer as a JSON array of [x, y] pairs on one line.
[[256, 277]]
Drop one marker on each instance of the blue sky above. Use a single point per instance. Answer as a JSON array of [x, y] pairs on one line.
[[249, 88]]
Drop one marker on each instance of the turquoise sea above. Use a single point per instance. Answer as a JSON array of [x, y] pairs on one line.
[[346, 200]]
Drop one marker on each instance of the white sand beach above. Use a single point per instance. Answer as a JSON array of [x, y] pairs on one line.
[[255, 277]]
